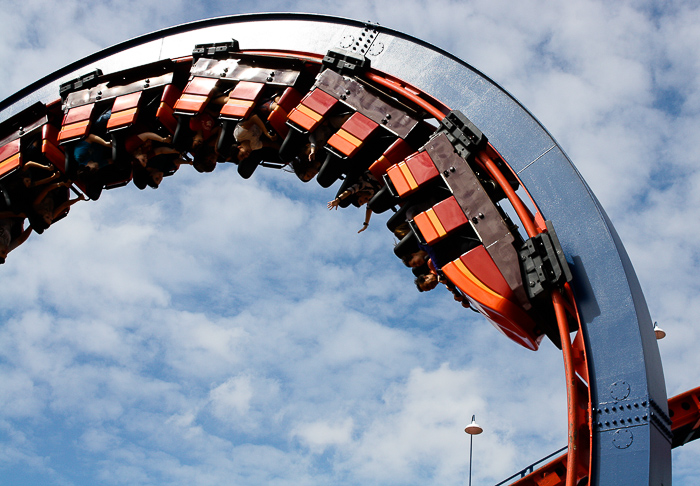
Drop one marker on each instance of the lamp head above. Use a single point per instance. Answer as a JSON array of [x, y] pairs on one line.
[[658, 332], [473, 428]]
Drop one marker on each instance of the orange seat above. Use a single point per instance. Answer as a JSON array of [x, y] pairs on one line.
[[278, 118], [76, 123], [475, 274], [124, 111], [242, 100], [396, 152], [50, 148], [165, 111], [409, 175], [195, 96], [422, 167], [438, 221], [10, 157], [352, 134], [313, 107], [398, 179]]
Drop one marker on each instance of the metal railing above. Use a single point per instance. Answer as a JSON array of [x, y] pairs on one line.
[[531, 468]]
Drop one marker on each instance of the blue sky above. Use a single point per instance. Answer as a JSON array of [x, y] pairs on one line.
[[221, 331]]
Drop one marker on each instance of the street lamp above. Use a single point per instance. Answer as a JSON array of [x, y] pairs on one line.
[[658, 332], [472, 429]]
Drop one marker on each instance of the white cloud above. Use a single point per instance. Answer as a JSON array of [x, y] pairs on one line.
[[321, 434]]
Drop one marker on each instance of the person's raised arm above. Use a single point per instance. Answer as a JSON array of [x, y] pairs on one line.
[[46, 180], [47, 190], [31, 163], [10, 214], [335, 202], [154, 137], [368, 215], [66, 205], [92, 138], [20, 239], [255, 119]]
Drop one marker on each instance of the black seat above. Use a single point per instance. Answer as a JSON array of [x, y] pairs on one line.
[[407, 245]]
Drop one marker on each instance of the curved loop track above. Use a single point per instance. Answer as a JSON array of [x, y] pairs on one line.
[[613, 361]]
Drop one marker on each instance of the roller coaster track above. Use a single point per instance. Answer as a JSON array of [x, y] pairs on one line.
[[620, 427]]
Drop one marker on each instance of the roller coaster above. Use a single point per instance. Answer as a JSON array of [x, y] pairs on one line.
[[482, 199]]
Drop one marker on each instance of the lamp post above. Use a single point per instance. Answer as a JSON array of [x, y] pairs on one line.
[[472, 429]]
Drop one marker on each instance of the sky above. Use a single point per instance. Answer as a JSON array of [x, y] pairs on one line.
[[221, 331]]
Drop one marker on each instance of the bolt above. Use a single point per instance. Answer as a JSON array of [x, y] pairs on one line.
[[388, 116], [481, 215], [384, 121], [225, 70], [269, 78], [532, 284], [475, 221], [343, 97], [452, 169], [347, 91]]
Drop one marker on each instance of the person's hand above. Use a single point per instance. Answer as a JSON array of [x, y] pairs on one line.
[[312, 154], [334, 203], [271, 135], [364, 227]]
